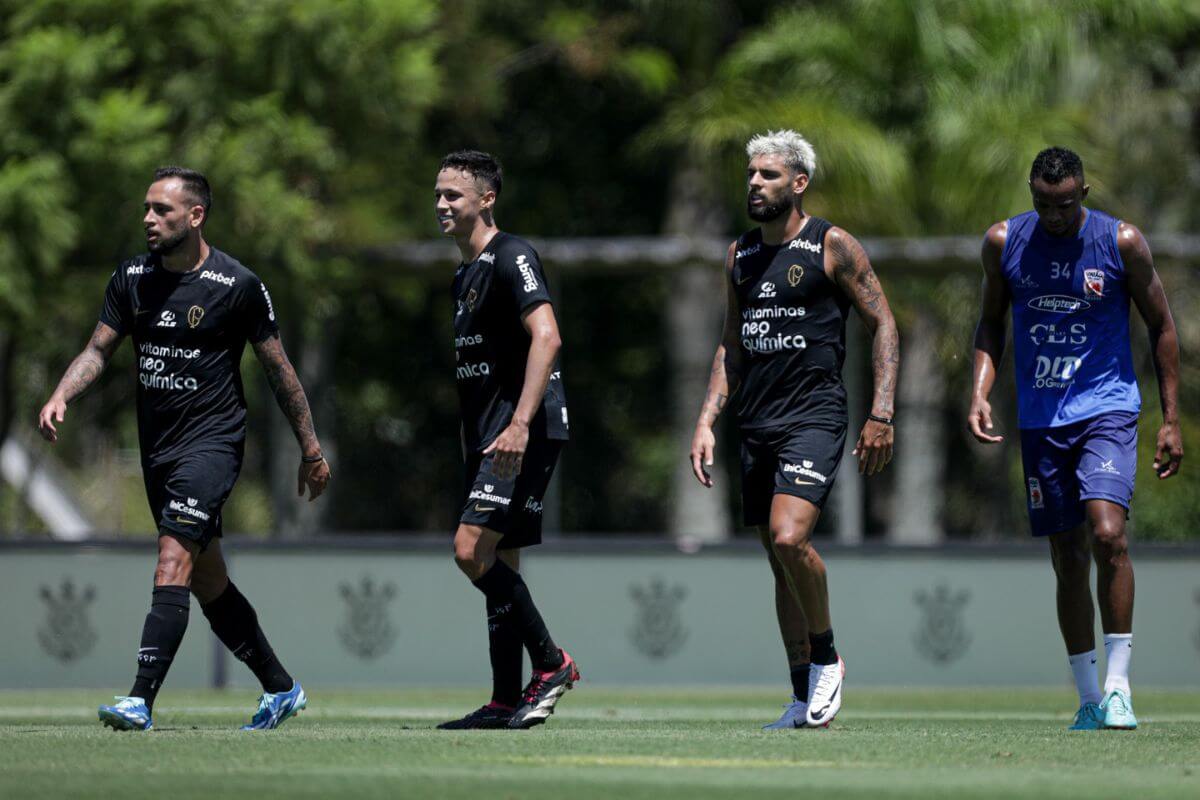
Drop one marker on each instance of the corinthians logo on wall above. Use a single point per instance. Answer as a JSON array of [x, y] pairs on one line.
[[942, 636], [367, 631], [67, 634], [658, 632]]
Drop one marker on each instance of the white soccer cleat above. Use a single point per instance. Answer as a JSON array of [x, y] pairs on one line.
[[824, 693], [795, 715]]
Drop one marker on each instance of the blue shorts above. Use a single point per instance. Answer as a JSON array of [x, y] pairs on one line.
[[1094, 459]]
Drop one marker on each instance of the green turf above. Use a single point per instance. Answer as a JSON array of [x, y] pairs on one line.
[[602, 743]]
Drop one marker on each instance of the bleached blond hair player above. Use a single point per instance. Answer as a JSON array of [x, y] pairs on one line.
[[790, 285], [793, 148]]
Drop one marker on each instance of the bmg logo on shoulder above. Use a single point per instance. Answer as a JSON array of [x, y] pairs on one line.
[[530, 282]]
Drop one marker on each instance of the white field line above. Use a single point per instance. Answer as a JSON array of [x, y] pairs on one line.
[[612, 714]]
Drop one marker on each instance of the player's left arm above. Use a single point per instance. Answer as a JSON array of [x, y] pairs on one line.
[[544, 345], [314, 469], [1151, 299], [847, 263]]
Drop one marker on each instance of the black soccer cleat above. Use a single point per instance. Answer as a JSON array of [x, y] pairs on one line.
[[489, 716], [543, 692]]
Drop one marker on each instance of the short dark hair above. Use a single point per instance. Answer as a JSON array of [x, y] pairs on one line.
[[479, 165], [194, 184], [1055, 164]]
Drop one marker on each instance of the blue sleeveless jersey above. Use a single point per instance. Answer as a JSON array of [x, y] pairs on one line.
[[1070, 310]]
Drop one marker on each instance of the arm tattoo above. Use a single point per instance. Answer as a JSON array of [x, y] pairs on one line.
[[722, 382], [88, 365], [288, 392], [853, 273]]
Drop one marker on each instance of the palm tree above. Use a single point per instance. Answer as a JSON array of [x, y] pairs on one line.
[[925, 116]]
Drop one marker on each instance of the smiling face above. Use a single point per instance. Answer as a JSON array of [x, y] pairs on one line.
[[172, 214], [1059, 206], [459, 201], [772, 188]]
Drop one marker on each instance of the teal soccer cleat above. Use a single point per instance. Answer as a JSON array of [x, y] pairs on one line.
[[273, 709], [795, 715], [1118, 711], [1089, 717], [128, 714]]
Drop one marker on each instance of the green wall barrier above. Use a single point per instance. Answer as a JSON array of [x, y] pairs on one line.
[[384, 616]]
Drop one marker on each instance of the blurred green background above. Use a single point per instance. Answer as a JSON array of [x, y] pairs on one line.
[[320, 125]]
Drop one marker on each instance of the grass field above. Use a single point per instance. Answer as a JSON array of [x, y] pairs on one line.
[[602, 743]]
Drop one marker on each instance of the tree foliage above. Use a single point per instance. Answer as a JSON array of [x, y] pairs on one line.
[[321, 123]]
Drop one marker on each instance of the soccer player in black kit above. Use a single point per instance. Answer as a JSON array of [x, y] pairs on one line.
[[514, 423], [190, 310], [790, 284]]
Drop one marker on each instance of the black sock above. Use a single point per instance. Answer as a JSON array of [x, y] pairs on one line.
[[800, 682], [234, 622], [161, 635], [504, 647], [822, 650], [501, 586]]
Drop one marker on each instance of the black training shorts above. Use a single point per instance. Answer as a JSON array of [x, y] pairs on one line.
[[798, 458], [187, 493], [512, 507]]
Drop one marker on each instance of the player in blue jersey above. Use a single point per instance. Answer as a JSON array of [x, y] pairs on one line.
[[1069, 272]]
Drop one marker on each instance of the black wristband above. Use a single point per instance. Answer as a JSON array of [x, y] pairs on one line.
[[884, 420], [311, 459]]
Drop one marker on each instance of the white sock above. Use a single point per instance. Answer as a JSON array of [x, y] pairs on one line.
[[1087, 680], [1118, 649]]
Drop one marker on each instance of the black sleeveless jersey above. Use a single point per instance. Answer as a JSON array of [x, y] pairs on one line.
[[189, 331], [792, 329]]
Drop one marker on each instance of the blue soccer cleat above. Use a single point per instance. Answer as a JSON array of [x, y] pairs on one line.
[[128, 714], [1089, 717], [273, 709], [795, 715], [1118, 711]]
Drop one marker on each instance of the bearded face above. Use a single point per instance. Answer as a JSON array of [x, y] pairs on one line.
[[771, 188], [766, 210]]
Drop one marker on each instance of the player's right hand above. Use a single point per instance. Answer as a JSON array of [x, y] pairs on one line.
[[314, 476], [53, 411], [979, 420], [703, 444]]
